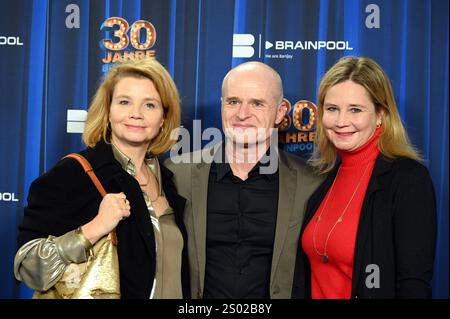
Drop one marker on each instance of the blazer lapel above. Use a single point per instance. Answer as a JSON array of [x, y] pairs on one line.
[[139, 210], [365, 220], [176, 201], [200, 175], [286, 192]]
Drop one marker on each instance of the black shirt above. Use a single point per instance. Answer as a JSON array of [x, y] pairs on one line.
[[240, 233]]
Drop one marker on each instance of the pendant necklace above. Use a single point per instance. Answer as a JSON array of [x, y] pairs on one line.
[[324, 254]]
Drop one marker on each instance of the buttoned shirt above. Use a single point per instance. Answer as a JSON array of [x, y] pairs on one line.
[[241, 220]]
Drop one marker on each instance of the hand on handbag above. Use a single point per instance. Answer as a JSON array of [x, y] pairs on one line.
[[99, 277], [113, 208]]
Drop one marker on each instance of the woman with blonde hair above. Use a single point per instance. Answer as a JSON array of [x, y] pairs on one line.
[[370, 228], [128, 125]]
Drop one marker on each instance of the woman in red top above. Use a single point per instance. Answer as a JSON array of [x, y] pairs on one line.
[[370, 228]]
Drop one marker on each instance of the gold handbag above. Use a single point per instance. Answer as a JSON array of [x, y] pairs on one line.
[[98, 277]]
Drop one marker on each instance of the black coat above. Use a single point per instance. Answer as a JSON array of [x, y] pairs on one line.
[[65, 198], [396, 232]]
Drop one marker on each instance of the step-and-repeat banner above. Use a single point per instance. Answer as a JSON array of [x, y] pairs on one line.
[[53, 54]]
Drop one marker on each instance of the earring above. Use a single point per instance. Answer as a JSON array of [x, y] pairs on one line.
[[379, 125]]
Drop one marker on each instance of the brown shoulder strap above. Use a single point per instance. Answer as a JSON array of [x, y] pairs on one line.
[[88, 169]]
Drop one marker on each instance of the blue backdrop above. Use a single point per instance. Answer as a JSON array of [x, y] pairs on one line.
[[51, 62]]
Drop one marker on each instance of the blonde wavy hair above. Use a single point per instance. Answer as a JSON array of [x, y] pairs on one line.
[[97, 123], [393, 141]]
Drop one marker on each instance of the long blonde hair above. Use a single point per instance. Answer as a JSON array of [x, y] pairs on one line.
[[97, 123], [393, 141]]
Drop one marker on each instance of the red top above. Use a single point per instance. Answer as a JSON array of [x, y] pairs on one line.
[[333, 279]]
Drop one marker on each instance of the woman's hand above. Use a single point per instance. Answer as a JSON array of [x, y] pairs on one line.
[[113, 208]]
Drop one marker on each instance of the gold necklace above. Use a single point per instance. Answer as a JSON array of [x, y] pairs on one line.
[[324, 255], [158, 196], [148, 178]]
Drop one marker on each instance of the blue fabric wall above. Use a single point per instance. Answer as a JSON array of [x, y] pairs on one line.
[[48, 68]]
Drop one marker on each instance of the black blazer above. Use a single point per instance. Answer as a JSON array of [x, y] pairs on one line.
[[396, 232], [65, 198]]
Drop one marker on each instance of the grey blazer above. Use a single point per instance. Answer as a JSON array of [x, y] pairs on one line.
[[296, 183]]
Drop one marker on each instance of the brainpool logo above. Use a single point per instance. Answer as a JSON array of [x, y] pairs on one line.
[[244, 46], [311, 45], [8, 197], [75, 121], [10, 41]]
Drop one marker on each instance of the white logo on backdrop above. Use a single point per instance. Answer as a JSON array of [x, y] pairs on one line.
[[75, 120], [243, 45], [10, 40], [8, 197]]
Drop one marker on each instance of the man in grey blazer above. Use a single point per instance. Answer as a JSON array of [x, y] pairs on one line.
[[243, 216]]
